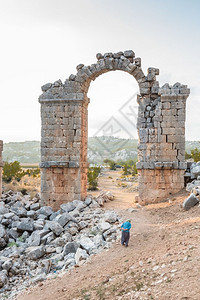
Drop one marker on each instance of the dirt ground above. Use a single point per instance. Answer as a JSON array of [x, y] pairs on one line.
[[162, 260]]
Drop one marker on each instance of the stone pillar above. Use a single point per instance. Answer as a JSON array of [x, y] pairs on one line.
[[1, 166], [161, 147], [64, 131]]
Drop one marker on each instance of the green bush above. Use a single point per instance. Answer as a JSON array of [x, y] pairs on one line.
[[93, 173], [111, 163], [195, 154], [32, 172], [11, 171]]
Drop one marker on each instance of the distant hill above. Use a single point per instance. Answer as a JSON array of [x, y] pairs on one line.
[[24, 152], [99, 148]]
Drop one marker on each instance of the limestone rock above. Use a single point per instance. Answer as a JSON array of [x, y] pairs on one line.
[[87, 243], [63, 219], [3, 237], [80, 255], [110, 217], [26, 225], [70, 248], [191, 201], [35, 206], [103, 226], [46, 210], [67, 207], [34, 239], [56, 227], [3, 278], [129, 53], [88, 200], [35, 252]]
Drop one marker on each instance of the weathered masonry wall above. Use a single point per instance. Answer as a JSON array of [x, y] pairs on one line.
[[161, 131], [1, 166], [161, 150]]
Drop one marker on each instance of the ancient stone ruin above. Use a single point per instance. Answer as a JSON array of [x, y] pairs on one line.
[[1, 166], [161, 132]]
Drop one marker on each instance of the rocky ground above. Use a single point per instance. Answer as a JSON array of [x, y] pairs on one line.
[[161, 262], [37, 243]]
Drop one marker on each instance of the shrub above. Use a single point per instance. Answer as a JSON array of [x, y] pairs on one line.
[[111, 163], [195, 154], [93, 174], [11, 171]]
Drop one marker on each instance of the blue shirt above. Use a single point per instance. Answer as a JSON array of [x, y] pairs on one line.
[[126, 225]]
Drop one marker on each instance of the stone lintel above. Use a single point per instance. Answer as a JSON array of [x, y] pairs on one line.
[[59, 164]]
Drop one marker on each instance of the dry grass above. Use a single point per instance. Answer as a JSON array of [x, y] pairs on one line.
[[29, 183]]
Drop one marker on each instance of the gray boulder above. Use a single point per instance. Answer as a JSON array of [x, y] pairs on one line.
[[3, 237], [48, 238], [55, 227], [87, 243], [34, 239], [195, 170], [67, 207], [63, 219], [26, 225], [103, 226], [35, 206], [88, 200], [9, 215], [42, 217], [80, 255], [32, 214], [35, 252], [3, 278], [110, 217], [191, 201], [13, 233], [3, 210], [7, 265], [62, 241], [70, 248], [20, 211], [193, 184], [46, 210]]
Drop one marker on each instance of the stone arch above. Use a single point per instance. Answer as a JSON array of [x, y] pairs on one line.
[[161, 131]]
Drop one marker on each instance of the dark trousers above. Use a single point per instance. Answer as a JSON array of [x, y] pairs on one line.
[[125, 238]]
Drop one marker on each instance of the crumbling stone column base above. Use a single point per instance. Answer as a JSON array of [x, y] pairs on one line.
[[60, 185], [155, 185]]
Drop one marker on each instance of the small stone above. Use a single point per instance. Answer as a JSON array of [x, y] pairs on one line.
[[129, 53], [80, 66], [99, 56], [46, 87]]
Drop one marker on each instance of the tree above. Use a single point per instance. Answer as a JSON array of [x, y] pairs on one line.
[[11, 171], [125, 170], [111, 163]]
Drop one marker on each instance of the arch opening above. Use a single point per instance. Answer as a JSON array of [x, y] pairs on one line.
[[160, 124]]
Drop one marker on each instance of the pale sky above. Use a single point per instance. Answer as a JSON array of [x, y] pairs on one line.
[[44, 40]]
